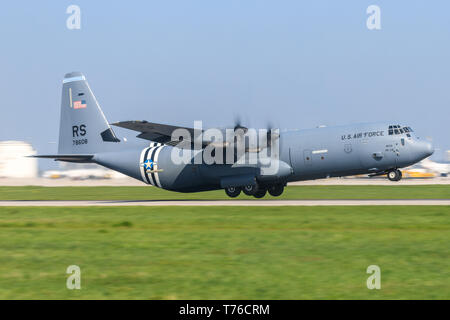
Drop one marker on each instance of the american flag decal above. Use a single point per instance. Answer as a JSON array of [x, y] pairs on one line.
[[80, 104]]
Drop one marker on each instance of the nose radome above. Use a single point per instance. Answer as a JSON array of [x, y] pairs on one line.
[[429, 150], [425, 149], [421, 150]]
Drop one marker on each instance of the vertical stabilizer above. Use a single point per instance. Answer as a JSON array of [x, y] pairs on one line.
[[83, 127]]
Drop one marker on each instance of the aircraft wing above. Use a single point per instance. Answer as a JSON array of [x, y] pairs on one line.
[[162, 133], [156, 132]]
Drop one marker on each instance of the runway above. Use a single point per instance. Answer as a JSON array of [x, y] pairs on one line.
[[246, 203]]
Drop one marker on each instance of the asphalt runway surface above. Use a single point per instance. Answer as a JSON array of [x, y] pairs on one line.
[[249, 203]]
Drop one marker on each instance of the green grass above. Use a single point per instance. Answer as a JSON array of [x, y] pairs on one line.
[[292, 192], [225, 252]]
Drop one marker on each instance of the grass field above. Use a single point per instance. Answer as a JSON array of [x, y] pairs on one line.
[[225, 252], [292, 192]]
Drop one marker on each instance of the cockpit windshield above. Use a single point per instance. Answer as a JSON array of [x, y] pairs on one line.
[[397, 129]]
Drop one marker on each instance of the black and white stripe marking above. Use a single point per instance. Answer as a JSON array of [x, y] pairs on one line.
[[155, 144], [151, 153]]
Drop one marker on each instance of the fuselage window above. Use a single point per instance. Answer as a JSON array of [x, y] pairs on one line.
[[403, 141]]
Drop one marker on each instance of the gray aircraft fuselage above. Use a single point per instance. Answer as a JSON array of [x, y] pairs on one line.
[[307, 154]]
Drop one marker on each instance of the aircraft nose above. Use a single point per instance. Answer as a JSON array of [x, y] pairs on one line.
[[428, 149], [424, 149]]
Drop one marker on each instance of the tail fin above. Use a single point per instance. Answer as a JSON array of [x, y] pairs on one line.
[[83, 127]]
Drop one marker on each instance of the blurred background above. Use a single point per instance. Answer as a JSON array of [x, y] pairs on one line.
[[295, 65]]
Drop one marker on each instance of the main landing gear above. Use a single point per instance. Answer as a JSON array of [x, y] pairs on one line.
[[233, 192], [256, 190], [276, 190], [394, 175], [251, 189]]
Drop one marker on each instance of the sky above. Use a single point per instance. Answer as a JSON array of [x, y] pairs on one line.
[[293, 64]]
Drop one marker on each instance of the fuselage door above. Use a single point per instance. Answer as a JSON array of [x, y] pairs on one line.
[[381, 154]]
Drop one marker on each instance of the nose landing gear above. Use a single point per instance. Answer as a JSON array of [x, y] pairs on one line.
[[394, 175]]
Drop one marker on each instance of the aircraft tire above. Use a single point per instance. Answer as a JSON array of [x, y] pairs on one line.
[[233, 192], [276, 190], [250, 189], [260, 193], [394, 175]]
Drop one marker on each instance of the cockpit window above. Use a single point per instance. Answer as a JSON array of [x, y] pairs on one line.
[[397, 129]]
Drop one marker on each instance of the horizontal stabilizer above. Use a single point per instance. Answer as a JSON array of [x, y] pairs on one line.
[[83, 158]]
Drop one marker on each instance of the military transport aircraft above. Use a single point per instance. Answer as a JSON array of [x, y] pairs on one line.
[[87, 137]]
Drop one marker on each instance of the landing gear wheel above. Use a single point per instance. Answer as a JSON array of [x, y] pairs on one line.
[[394, 175], [260, 193], [233, 192], [250, 189], [276, 190]]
